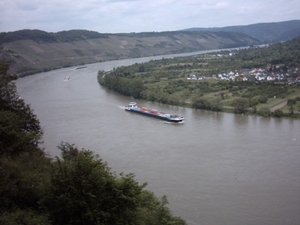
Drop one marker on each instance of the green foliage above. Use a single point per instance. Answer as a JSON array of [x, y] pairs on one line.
[[240, 105], [154, 211], [291, 102], [253, 102], [35, 35], [68, 151], [262, 99], [20, 129], [23, 180], [85, 191], [24, 217], [44, 37], [213, 104], [24, 167], [77, 35], [278, 113], [282, 53], [264, 111], [125, 86]]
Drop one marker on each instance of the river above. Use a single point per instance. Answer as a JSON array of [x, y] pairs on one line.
[[216, 168]]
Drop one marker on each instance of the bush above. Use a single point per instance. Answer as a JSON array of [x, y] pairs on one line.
[[278, 113], [240, 105], [264, 111], [262, 99], [291, 101]]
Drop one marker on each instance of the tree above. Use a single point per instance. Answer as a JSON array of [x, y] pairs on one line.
[[264, 111], [24, 179], [24, 217], [24, 167], [291, 101], [68, 151], [85, 191], [262, 99], [20, 129], [201, 103], [136, 88], [154, 211], [216, 104], [240, 105], [278, 113]]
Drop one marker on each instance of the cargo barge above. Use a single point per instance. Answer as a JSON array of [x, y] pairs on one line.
[[133, 107]]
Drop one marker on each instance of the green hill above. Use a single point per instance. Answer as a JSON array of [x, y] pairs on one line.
[[264, 32], [32, 51]]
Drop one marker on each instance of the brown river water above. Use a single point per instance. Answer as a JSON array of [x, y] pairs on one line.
[[216, 168]]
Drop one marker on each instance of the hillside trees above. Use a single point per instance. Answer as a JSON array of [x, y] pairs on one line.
[[20, 129], [84, 190], [23, 165], [129, 87]]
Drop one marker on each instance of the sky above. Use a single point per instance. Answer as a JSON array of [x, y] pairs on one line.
[[126, 16]]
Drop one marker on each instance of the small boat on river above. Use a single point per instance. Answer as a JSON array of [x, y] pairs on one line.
[[80, 67], [67, 78], [133, 107]]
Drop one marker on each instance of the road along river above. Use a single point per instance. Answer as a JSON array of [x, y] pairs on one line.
[[216, 169]]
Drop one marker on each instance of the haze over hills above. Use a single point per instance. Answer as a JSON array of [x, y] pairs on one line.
[[264, 32], [32, 51]]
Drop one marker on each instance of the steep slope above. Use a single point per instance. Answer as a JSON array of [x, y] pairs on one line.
[[32, 51]]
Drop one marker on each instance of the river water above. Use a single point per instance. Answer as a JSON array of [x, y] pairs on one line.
[[216, 168]]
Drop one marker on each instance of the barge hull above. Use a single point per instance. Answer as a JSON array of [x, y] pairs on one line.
[[156, 116]]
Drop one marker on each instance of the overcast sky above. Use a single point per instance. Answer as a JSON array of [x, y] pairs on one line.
[[125, 16]]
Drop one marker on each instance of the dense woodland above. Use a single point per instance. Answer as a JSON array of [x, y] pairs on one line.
[[74, 189], [166, 80], [45, 37]]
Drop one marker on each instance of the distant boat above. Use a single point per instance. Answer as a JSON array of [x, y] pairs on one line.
[[67, 78], [133, 107], [80, 67]]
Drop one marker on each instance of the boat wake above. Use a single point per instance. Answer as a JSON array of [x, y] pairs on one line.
[[166, 122], [67, 78]]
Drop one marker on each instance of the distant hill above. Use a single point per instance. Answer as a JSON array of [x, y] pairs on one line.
[[264, 32], [32, 51]]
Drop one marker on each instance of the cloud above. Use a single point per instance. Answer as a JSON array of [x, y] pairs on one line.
[[114, 16]]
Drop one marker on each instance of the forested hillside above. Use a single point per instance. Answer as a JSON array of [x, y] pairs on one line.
[[75, 188], [32, 51], [264, 32]]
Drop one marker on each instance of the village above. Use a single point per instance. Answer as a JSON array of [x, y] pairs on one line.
[[253, 75]]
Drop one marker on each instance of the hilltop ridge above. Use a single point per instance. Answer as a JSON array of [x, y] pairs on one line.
[[264, 32]]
